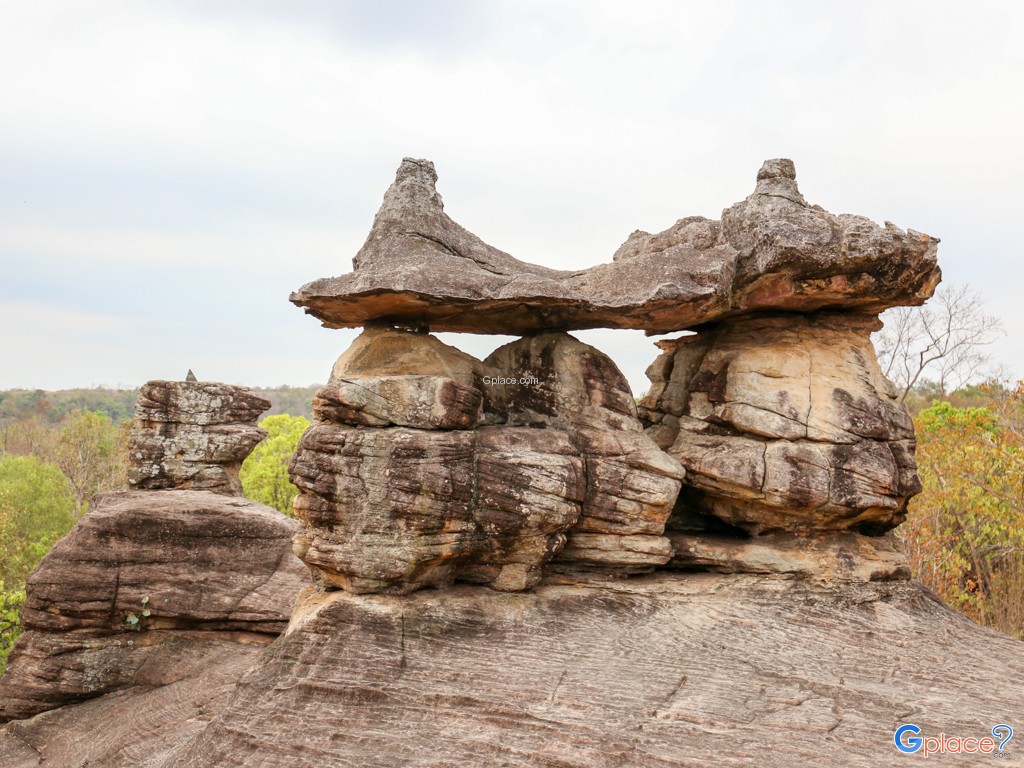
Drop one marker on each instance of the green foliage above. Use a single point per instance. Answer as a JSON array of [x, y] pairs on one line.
[[926, 393], [265, 472], [11, 602], [965, 532], [88, 453], [36, 509], [942, 417], [133, 621], [85, 445]]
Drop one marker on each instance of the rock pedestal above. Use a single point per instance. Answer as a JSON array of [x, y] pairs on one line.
[[428, 466], [785, 423], [554, 381]]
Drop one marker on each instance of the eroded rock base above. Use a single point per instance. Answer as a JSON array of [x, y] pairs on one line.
[[659, 670]]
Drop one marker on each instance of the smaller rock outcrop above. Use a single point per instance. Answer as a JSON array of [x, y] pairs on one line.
[[151, 586], [193, 435], [207, 569]]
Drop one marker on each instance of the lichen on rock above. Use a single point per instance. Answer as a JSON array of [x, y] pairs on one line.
[[193, 435], [785, 423]]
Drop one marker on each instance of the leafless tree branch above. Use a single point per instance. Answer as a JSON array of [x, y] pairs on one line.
[[943, 340]]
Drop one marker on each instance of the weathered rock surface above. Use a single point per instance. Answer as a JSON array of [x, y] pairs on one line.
[[785, 423], [193, 435], [771, 251], [402, 487], [831, 558], [631, 485], [208, 568], [662, 670], [173, 699], [399, 509], [389, 377], [799, 257], [400, 490]]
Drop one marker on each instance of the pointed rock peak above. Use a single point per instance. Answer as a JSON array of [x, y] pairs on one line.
[[422, 171], [777, 178], [190, 376], [414, 192]]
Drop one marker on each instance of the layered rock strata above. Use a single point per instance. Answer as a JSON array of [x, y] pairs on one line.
[[207, 570], [776, 408], [631, 485], [152, 586], [785, 423], [772, 251], [428, 466], [193, 435], [656, 671]]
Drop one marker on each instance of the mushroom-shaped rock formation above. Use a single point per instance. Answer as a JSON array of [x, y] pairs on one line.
[[772, 251], [806, 644]]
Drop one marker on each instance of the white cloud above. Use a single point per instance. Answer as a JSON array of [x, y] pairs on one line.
[[149, 145]]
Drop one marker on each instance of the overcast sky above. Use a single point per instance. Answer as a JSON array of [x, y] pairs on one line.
[[171, 171]]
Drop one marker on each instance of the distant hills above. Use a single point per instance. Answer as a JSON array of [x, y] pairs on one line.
[[119, 404]]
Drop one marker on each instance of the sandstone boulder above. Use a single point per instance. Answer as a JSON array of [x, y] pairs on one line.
[[193, 435], [402, 486], [555, 381], [399, 509], [785, 423], [205, 567], [390, 377], [772, 251], [429, 466]]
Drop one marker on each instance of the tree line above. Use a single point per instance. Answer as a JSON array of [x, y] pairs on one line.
[[51, 407]]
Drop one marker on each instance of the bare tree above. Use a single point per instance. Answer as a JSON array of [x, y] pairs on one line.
[[942, 341]]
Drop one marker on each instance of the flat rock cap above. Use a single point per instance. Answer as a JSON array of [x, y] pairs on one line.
[[769, 252]]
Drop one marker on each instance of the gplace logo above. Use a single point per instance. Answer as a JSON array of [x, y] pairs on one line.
[[908, 740]]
